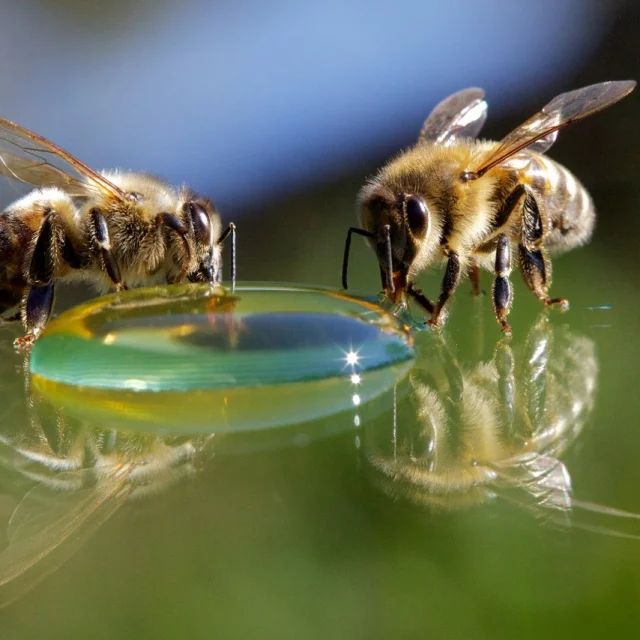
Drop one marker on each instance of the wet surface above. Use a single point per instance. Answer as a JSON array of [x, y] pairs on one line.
[[490, 487]]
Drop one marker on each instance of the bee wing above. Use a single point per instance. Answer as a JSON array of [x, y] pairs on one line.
[[544, 144], [30, 158], [47, 527], [541, 130], [461, 115]]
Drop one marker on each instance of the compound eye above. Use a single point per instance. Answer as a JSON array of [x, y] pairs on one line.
[[417, 214], [200, 220]]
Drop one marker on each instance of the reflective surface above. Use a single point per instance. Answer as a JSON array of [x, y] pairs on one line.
[[493, 430], [302, 531], [484, 475], [192, 358], [83, 476]]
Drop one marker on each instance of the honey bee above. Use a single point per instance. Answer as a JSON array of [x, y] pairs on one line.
[[115, 229], [469, 203], [468, 432], [84, 476]]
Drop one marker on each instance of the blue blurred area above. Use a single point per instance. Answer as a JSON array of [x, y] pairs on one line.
[[247, 100]]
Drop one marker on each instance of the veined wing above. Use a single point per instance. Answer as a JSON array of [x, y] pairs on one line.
[[30, 158], [542, 128], [48, 527], [461, 115]]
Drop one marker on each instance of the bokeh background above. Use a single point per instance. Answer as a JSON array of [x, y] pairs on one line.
[[279, 111]]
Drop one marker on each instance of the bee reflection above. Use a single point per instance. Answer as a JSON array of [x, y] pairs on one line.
[[71, 479], [465, 435]]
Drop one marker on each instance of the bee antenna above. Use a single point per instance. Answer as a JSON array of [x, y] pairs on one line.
[[387, 233]]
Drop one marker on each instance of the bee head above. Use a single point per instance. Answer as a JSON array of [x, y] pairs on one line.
[[204, 222], [397, 225]]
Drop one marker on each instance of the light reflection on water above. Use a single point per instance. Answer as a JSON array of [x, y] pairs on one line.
[[469, 433], [79, 476], [448, 436], [496, 430]]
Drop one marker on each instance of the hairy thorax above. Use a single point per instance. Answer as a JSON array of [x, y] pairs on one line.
[[462, 211], [137, 239]]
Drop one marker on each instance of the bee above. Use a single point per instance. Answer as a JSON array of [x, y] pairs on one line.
[[84, 476], [115, 229], [469, 203], [468, 432]]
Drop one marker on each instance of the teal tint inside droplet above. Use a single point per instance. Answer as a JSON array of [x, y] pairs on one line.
[[187, 338]]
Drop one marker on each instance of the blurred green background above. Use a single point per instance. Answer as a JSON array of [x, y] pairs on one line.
[[281, 111]]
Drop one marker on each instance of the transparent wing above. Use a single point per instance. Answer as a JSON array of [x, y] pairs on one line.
[[30, 158], [48, 527], [543, 144], [540, 131], [461, 115]]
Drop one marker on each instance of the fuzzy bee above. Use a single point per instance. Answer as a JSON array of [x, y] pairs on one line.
[[115, 229], [469, 203], [467, 433]]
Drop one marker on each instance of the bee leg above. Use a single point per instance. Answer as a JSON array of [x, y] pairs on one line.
[[230, 230], [174, 224], [536, 269], [474, 278], [536, 371], [449, 284], [501, 291], [36, 312], [37, 301], [103, 243], [534, 261], [505, 366], [419, 297], [44, 258]]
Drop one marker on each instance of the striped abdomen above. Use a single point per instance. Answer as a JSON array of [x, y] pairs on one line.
[[12, 249], [16, 240], [567, 207]]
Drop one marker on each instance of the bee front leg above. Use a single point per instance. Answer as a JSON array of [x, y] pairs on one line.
[[419, 297], [102, 240], [534, 261], [449, 284], [174, 224], [37, 302], [501, 291]]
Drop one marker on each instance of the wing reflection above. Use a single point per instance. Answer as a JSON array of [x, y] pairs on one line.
[[82, 477], [466, 434]]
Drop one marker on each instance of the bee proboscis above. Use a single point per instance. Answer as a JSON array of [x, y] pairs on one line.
[[469, 203], [115, 229]]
